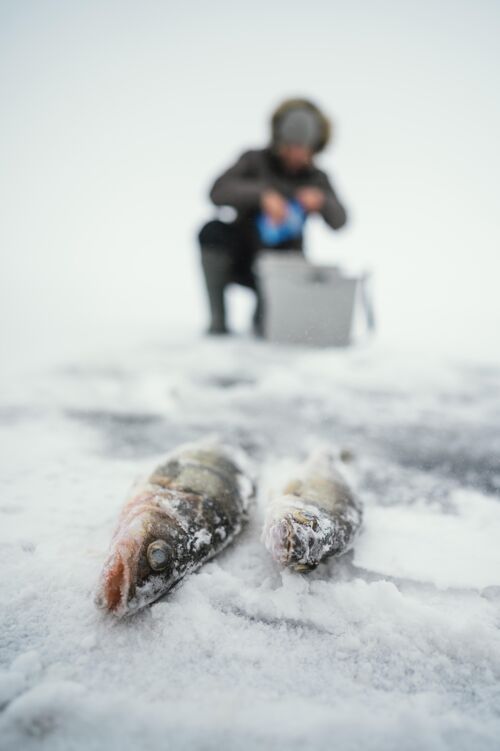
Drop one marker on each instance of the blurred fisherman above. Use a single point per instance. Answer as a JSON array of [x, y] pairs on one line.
[[272, 190]]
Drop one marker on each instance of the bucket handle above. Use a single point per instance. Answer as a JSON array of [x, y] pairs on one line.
[[366, 299]]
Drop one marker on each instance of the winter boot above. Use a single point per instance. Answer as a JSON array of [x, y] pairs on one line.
[[258, 316], [216, 264]]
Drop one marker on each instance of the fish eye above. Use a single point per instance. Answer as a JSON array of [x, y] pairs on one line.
[[158, 555]]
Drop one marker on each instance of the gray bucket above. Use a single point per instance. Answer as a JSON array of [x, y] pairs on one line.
[[310, 304]]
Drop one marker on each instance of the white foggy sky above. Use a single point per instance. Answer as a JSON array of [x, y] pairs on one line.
[[116, 116]]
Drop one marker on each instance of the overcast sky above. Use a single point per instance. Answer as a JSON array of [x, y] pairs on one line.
[[116, 116]]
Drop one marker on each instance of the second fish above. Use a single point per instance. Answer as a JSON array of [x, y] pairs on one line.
[[316, 516]]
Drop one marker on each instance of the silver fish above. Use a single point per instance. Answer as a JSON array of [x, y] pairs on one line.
[[315, 517], [188, 510]]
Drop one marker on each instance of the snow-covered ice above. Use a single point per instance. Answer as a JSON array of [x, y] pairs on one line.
[[394, 646]]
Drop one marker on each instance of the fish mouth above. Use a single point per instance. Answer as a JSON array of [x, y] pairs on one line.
[[115, 587], [279, 541], [290, 540]]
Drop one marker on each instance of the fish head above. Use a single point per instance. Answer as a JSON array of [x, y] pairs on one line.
[[294, 539], [141, 565]]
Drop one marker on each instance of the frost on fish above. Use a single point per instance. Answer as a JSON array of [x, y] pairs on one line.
[[315, 517], [188, 509]]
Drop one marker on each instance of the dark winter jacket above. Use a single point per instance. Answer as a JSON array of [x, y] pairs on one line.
[[241, 187]]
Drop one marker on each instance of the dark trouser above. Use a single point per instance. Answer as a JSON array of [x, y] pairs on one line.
[[226, 259]]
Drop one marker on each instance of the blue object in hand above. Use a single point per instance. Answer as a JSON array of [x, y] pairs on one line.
[[272, 234]]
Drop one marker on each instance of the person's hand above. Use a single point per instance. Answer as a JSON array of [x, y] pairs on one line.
[[274, 206], [311, 199]]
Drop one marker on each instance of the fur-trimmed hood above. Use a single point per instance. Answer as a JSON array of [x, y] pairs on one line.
[[291, 104]]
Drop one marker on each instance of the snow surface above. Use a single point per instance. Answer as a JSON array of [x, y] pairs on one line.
[[394, 646]]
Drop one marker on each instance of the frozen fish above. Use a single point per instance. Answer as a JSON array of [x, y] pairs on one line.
[[316, 516], [188, 510]]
